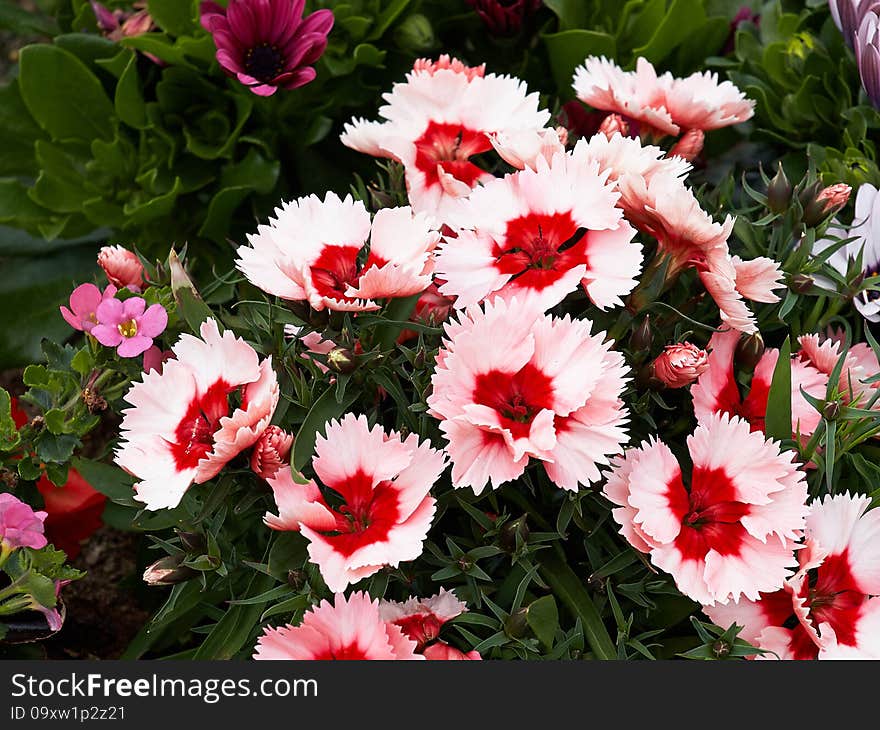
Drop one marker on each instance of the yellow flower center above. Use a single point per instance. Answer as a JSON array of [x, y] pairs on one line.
[[128, 329]]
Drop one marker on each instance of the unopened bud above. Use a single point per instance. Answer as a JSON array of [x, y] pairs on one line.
[[614, 124], [802, 283], [831, 411], [271, 451], [341, 360], [415, 34], [779, 192], [507, 536], [680, 364], [168, 571], [721, 648], [689, 145], [94, 402], [516, 625], [642, 336], [296, 579], [192, 542], [749, 351], [828, 202]]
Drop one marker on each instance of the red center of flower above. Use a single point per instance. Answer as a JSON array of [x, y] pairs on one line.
[[349, 652], [421, 628], [194, 436], [709, 513], [367, 514], [450, 146], [538, 249], [833, 597], [337, 268], [516, 397], [264, 62]]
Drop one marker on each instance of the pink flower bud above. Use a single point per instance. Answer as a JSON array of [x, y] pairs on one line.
[[689, 145], [680, 364], [441, 651], [614, 124], [20, 526], [834, 197], [123, 267], [271, 451]]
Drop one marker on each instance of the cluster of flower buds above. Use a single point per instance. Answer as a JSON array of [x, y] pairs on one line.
[[818, 203]]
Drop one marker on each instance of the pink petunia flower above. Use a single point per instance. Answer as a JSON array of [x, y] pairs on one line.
[[84, 301], [717, 390], [680, 364], [20, 526], [731, 532], [129, 326], [384, 482], [349, 629], [267, 44], [310, 253], [437, 120], [830, 608], [122, 267], [512, 384], [183, 427], [519, 241]]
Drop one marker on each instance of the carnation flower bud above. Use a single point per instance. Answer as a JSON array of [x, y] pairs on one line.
[[193, 542], [415, 34], [270, 452], [508, 533], [516, 625], [690, 145], [614, 124], [341, 360], [802, 283], [779, 192], [721, 648], [749, 351], [122, 267], [168, 571], [680, 364], [643, 336], [831, 411], [828, 202]]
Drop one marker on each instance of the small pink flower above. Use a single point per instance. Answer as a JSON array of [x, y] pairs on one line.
[[384, 482], [154, 359], [349, 629], [834, 197], [128, 326], [690, 145], [20, 526], [270, 452], [84, 301], [732, 531], [122, 267], [421, 618], [680, 364], [441, 651]]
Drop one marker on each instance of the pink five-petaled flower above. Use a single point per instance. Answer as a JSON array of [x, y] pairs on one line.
[[519, 241], [267, 44], [310, 253], [830, 608], [436, 121], [717, 389], [384, 482], [129, 326], [680, 364], [512, 384], [182, 427], [20, 526], [344, 630], [122, 267], [84, 301], [732, 531], [271, 451]]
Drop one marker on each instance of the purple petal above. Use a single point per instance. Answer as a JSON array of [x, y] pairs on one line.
[[106, 335], [208, 14], [111, 312], [300, 77], [134, 346], [242, 23], [153, 322], [321, 21], [285, 21], [230, 63]]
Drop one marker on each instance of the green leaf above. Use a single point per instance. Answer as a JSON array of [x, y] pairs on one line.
[[109, 480], [156, 206], [55, 448], [58, 474], [683, 18], [9, 437], [288, 552], [778, 415], [568, 49], [387, 17], [177, 17], [63, 95], [129, 99], [571, 13], [543, 618], [324, 409]]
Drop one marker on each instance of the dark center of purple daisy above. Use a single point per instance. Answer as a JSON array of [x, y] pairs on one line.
[[264, 62]]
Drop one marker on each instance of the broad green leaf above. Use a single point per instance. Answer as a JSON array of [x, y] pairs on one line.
[[129, 99], [288, 552], [571, 13], [568, 49], [109, 480], [177, 17], [777, 423], [543, 618], [63, 95], [324, 409], [9, 437], [683, 18]]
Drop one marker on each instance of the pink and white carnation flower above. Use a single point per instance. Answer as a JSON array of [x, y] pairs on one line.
[[310, 251], [384, 482], [437, 120], [859, 368], [347, 629], [717, 389], [184, 424], [726, 532], [512, 384], [539, 234]]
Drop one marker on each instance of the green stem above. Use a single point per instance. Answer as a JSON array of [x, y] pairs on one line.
[[568, 587], [14, 606]]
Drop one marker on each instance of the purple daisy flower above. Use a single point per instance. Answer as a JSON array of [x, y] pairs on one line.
[[267, 43]]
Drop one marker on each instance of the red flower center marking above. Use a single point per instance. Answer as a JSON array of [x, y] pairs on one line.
[[421, 628], [709, 513], [516, 397], [194, 436], [337, 268], [538, 249], [833, 597], [264, 62], [345, 653], [450, 146]]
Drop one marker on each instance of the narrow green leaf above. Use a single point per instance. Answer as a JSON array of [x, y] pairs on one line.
[[778, 414]]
